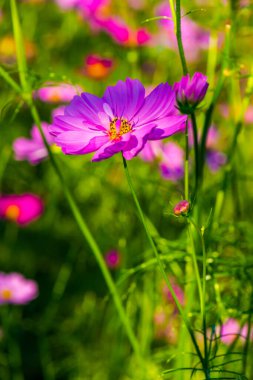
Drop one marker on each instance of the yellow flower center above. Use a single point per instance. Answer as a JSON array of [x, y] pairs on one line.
[[119, 127], [6, 294], [12, 212]]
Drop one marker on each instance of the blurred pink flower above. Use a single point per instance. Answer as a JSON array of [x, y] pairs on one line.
[[194, 37], [170, 157], [231, 329], [67, 4], [21, 209], [178, 291], [151, 151], [33, 150], [97, 67], [113, 259], [172, 163], [16, 289], [57, 93], [122, 33]]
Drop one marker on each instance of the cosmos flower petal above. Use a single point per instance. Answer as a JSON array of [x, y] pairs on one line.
[[168, 126], [108, 150], [75, 142], [159, 103], [85, 106], [137, 141], [125, 98]]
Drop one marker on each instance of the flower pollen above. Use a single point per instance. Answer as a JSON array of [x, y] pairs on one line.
[[119, 127]]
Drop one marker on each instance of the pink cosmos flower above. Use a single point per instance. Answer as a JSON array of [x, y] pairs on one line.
[[33, 150], [195, 38], [122, 120], [112, 259], [16, 289], [21, 209], [57, 93], [97, 67]]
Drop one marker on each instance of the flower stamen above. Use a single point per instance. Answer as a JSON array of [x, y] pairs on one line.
[[119, 127]]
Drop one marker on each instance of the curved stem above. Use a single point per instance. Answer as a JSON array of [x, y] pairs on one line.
[[179, 37], [159, 262]]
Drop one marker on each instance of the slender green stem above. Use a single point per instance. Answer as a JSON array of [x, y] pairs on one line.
[[196, 268], [160, 264], [196, 152], [179, 37], [186, 165], [8, 79], [173, 14], [21, 59], [204, 296], [200, 232]]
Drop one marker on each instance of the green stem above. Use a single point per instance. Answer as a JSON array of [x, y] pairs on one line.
[[196, 268], [21, 59], [203, 297], [179, 37], [160, 264], [196, 152], [8, 79], [173, 14], [186, 165]]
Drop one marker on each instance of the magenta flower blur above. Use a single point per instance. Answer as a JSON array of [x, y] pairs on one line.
[[112, 259], [16, 289], [57, 93], [151, 151], [21, 209], [231, 329], [33, 150], [190, 91], [122, 120]]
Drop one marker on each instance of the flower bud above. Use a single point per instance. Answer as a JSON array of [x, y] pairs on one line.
[[190, 92], [181, 208]]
